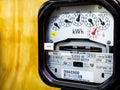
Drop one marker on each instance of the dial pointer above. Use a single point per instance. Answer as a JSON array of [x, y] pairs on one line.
[[78, 19], [67, 21], [90, 20], [102, 22], [56, 25], [94, 31]]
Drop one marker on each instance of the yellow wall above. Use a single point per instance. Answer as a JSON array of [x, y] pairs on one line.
[[19, 45]]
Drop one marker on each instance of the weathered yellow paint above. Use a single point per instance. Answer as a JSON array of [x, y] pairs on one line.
[[19, 45]]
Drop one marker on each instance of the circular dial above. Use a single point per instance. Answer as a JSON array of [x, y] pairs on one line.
[[90, 20], [78, 19], [103, 22], [66, 20], [93, 33], [55, 23]]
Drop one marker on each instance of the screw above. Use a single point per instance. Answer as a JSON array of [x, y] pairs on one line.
[[108, 42], [51, 41], [99, 7]]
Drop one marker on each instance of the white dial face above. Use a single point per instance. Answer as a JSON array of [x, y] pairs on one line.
[[80, 22], [66, 20], [86, 57], [103, 21], [55, 24], [90, 19], [78, 19]]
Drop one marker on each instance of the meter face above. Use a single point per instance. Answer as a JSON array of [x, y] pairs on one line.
[[79, 43]]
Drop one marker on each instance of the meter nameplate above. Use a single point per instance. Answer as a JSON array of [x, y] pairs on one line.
[[81, 66]]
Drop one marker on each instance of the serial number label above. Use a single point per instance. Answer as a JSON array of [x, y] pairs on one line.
[[77, 75]]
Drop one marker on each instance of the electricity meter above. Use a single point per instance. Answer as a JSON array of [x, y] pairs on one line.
[[79, 44]]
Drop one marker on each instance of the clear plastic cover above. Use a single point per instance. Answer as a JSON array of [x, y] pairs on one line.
[[79, 39]]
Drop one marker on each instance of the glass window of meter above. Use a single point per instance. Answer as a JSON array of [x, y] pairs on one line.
[[79, 43]]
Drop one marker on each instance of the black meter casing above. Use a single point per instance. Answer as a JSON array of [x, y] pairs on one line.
[[45, 12]]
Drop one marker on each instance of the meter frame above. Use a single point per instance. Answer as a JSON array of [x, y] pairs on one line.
[[43, 17]]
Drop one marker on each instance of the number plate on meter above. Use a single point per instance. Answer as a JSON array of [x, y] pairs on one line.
[[81, 66]]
